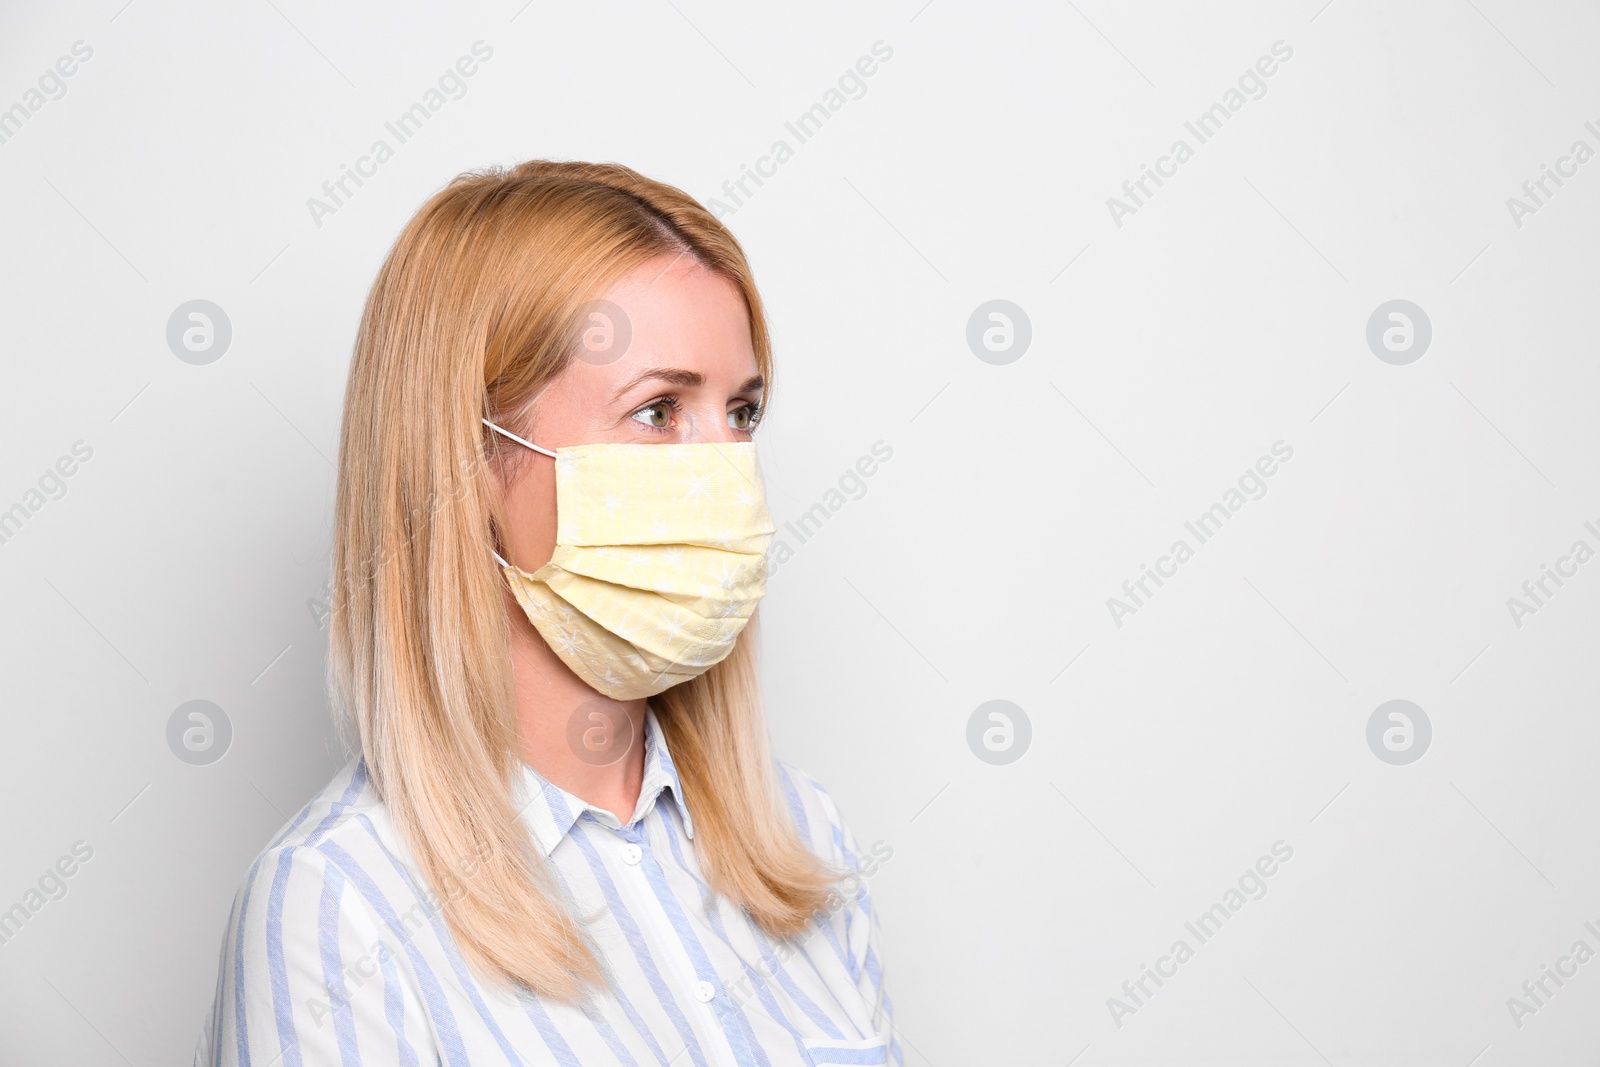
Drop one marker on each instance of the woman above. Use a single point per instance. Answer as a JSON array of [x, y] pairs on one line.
[[564, 840]]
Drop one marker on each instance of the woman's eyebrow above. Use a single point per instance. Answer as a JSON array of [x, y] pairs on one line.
[[684, 379]]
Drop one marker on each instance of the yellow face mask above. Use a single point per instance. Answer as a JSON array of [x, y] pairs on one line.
[[660, 560]]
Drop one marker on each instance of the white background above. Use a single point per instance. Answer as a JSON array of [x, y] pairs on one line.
[[1227, 313]]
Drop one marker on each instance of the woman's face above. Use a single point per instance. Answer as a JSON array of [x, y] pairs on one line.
[[688, 374]]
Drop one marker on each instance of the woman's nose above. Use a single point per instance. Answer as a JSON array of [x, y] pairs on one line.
[[706, 425]]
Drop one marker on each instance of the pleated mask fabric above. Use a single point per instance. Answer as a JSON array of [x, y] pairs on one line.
[[660, 560]]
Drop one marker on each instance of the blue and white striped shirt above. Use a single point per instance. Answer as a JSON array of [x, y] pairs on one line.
[[333, 955]]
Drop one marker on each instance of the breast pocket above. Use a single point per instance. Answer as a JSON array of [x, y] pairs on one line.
[[827, 1050]]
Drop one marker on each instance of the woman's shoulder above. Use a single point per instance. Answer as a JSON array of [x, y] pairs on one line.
[[816, 816], [341, 839], [342, 812], [326, 908]]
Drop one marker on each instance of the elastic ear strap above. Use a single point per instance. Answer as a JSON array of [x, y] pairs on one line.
[[518, 440]]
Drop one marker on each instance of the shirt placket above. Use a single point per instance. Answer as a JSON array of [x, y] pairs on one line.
[[698, 982]]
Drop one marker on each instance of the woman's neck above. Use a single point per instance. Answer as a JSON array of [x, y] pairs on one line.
[[574, 737]]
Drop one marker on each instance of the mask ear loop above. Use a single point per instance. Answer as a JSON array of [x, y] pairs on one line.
[[520, 441]]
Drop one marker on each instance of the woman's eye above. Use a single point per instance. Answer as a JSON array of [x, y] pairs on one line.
[[744, 418], [657, 415]]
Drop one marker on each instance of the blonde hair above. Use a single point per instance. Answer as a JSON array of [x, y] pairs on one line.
[[475, 309]]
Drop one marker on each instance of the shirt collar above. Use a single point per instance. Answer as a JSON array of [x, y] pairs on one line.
[[550, 811]]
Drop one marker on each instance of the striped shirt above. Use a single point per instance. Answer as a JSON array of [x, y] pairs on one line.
[[333, 955]]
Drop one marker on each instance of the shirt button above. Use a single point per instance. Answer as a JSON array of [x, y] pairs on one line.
[[704, 991], [632, 854]]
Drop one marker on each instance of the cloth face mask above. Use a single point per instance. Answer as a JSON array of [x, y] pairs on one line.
[[660, 560]]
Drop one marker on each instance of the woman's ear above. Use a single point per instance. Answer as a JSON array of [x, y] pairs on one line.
[[494, 539]]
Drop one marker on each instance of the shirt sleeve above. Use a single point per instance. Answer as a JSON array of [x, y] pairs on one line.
[[308, 975], [863, 932]]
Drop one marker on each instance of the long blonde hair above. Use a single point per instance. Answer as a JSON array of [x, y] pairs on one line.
[[475, 309]]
